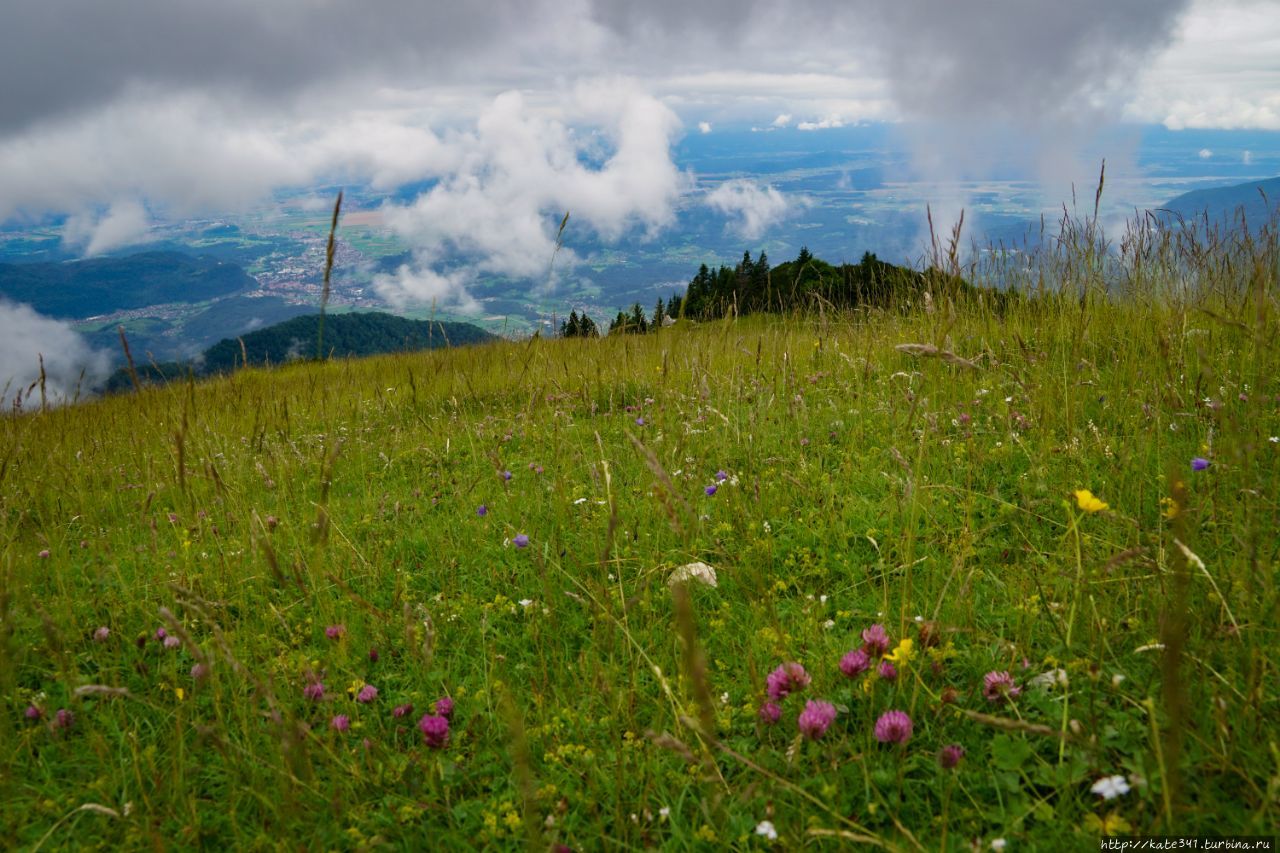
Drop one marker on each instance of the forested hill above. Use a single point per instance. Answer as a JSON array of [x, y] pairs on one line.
[[355, 334], [103, 285]]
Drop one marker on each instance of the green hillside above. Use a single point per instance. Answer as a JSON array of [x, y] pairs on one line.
[[354, 334], [1256, 200], [102, 285], [984, 578]]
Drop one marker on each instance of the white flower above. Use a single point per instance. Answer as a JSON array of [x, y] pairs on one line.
[[1110, 787], [765, 828], [525, 602], [700, 572], [664, 812], [579, 501], [1052, 678], [997, 844], [829, 624], [1117, 679], [1275, 439]]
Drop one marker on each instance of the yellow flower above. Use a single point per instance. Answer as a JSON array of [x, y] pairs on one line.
[[1087, 502], [904, 653], [1170, 508]]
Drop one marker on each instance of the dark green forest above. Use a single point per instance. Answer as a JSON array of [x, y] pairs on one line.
[[804, 284]]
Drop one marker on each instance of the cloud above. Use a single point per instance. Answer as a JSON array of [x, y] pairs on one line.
[[751, 208], [782, 120], [70, 365], [704, 127], [411, 287], [125, 223], [519, 171], [822, 124], [1204, 154], [1247, 158]]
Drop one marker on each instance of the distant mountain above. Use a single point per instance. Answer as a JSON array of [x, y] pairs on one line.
[[1223, 204], [355, 334], [102, 285]]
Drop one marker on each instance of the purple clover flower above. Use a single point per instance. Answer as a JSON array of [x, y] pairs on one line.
[[816, 718], [340, 723], [999, 686], [893, 727], [855, 663], [950, 756], [367, 694], [786, 679], [435, 730], [876, 640], [770, 713]]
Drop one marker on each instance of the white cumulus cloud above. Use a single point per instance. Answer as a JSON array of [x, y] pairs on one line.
[[125, 223], [71, 367], [751, 208]]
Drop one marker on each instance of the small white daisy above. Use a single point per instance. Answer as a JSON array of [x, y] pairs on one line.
[[766, 829], [1110, 787]]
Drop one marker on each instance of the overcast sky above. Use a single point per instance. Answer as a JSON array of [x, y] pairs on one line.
[[120, 114]]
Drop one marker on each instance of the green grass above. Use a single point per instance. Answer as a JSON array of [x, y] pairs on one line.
[[864, 485]]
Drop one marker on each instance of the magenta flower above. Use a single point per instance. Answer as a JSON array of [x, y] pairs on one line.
[[888, 671], [401, 711], [161, 634], [435, 730], [855, 663], [335, 632], [367, 694], [33, 713], [1199, 463], [893, 727], [340, 723], [102, 634], [64, 719], [710, 490], [172, 642], [313, 691], [876, 640], [444, 706], [44, 554], [816, 718], [520, 540], [770, 713], [373, 654], [950, 756], [999, 686], [786, 679], [200, 671]]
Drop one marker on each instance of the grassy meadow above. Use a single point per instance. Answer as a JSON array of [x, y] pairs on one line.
[[425, 601]]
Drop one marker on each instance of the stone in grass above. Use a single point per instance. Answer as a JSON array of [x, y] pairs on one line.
[[700, 572]]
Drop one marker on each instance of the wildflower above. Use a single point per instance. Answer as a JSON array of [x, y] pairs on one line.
[[172, 642], [373, 655], [998, 844], [64, 719], [1110, 787], [786, 679], [766, 830], [367, 694], [998, 686], [1199, 463], [335, 632], [1087, 502], [272, 522], [435, 730], [200, 671], [876, 640], [893, 727], [721, 476], [816, 718], [950, 756], [44, 554], [506, 475], [482, 510], [855, 663], [444, 706], [520, 540], [1052, 678], [161, 634], [964, 418], [710, 490], [930, 634], [949, 695], [640, 421], [33, 713], [401, 711], [770, 713], [313, 691], [904, 653], [887, 671], [340, 723], [102, 634]]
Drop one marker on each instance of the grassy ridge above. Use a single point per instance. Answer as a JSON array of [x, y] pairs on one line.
[[247, 515]]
